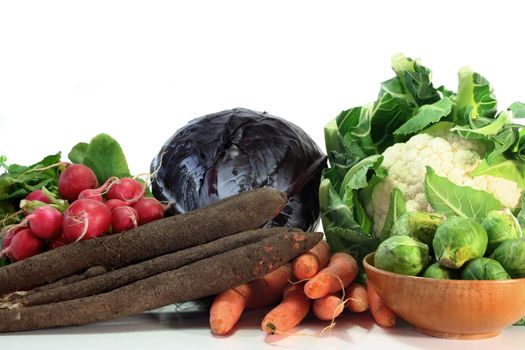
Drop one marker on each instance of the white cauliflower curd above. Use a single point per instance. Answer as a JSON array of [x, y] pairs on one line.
[[450, 156]]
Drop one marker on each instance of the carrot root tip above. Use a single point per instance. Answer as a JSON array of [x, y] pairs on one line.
[[271, 327]]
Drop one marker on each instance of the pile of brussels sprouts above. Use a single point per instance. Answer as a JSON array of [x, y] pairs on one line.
[[425, 244]]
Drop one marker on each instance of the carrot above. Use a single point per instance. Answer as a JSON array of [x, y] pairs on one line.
[[205, 277], [357, 297], [269, 289], [306, 265], [289, 313], [342, 269], [228, 306], [245, 211], [328, 307], [381, 313]]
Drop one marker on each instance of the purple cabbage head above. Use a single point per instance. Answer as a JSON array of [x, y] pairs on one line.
[[222, 154]]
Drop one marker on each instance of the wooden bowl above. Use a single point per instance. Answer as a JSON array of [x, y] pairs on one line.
[[451, 309]]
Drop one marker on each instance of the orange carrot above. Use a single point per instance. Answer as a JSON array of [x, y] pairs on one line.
[[269, 289], [228, 306], [357, 297], [306, 265], [381, 313], [328, 307], [342, 269], [289, 313]]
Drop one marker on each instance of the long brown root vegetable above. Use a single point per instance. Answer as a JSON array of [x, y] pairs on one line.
[[380, 312], [289, 313], [245, 211], [12, 298], [340, 272], [202, 278], [229, 305], [328, 307], [131, 273], [91, 272], [307, 265], [357, 297]]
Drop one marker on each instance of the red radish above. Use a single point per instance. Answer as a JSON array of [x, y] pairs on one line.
[[123, 219], [115, 203], [85, 219], [126, 189], [45, 222], [75, 179], [91, 193], [37, 195], [10, 234], [23, 245], [149, 209], [96, 193]]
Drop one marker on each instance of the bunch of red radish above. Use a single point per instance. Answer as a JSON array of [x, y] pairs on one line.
[[118, 205]]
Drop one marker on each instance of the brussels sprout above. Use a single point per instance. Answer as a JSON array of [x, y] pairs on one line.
[[459, 240], [500, 225], [419, 225], [484, 269], [437, 271], [511, 255], [402, 254]]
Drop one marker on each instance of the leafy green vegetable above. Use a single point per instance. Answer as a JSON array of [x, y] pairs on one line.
[[521, 214], [103, 155], [484, 269], [395, 88], [439, 272], [78, 152], [342, 231], [427, 115], [3, 262], [356, 178], [339, 152], [501, 226], [354, 124], [344, 217], [520, 322], [517, 109], [387, 115], [361, 216], [408, 104], [420, 225], [18, 180], [450, 199], [458, 240], [502, 167], [475, 97], [396, 208], [503, 142], [511, 255], [484, 132], [369, 129], [402, 254], [416, 79]]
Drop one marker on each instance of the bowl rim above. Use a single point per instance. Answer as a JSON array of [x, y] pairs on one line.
[[371, 267]]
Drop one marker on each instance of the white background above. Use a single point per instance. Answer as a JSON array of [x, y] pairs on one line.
[[139, 70]]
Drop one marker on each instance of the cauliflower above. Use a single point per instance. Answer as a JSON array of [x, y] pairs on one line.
[[450, 156]]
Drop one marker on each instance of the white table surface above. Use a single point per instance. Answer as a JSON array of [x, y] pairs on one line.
[[164, 329]]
